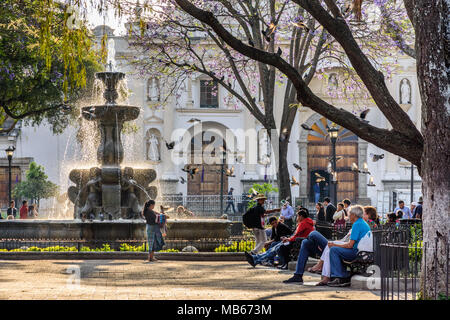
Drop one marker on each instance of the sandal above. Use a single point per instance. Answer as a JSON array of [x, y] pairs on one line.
[[311, 270]]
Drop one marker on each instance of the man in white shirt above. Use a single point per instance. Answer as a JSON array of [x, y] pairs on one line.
[[406, 211], [287, 213]]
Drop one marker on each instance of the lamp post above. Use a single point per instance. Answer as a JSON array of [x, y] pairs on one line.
[[333, 131], [222, 170], [9, 154]]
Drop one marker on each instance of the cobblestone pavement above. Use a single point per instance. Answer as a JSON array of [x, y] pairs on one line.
[[135, 279]]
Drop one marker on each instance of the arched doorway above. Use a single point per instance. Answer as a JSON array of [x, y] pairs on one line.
[[205, 155], [319, 152]]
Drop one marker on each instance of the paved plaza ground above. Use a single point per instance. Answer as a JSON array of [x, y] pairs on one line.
[[136, 279]]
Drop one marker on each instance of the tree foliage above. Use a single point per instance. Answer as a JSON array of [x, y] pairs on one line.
[[36, 186], [44, 64]]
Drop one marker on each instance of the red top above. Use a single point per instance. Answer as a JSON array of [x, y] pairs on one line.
[[24, 212], [303, 229]]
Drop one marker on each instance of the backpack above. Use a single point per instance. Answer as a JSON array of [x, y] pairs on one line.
[[251, 219]]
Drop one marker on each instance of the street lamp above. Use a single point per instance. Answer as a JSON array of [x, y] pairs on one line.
[[9, 154], [222, 171], [333, 131]]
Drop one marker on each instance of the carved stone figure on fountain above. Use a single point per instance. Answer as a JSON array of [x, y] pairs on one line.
[[93, 189], [129, 197]]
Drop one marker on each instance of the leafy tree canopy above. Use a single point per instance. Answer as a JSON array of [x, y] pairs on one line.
[[36, 186], [45, 62]]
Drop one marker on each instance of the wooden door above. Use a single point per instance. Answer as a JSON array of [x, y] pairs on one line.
[[318, 158]]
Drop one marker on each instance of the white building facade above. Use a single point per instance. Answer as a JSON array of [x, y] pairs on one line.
[[170, 121]]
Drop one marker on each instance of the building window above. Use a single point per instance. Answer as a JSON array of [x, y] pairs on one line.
[[153, 90], [209, 94]]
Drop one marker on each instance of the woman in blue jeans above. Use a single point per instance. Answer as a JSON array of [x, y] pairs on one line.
[[315, 244]]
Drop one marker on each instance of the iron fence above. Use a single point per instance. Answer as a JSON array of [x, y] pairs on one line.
[[208, 206], [232, 244], [404, 272]]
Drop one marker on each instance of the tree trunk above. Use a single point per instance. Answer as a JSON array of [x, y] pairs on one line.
[[284, 181], [432, 25]]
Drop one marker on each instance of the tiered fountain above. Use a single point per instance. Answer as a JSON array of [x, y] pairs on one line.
[[110, 191], [108, 199]]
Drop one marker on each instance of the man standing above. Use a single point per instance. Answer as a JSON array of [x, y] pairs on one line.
[[24, 210], [230, 201], [287, 213], [330, 209], [316, 189], [406, 212], [12, 211], [258, 212], [418, 211]]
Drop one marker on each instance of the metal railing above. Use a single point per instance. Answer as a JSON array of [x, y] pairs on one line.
[[404, 272], [208, 206], [234, 244]]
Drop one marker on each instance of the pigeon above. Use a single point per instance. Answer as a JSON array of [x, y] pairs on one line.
[[193, 120], [89, 114], [182, 180], [284, 134], [170, 145], [191, 171], [301, 25], [230, 172], [376, 157], [294, 182], [304, 126], [318, 175], [296, 166], [337, 158], [363, 115]]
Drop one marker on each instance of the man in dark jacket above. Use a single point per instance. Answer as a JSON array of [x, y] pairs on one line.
[[330, 209], [279, 230]]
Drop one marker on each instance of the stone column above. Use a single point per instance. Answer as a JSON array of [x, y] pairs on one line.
[[303, 162], [362, 178]]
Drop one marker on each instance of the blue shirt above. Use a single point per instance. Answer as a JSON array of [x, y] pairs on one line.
[[359, 230], [316, 188], [287, 212], [406, 212]]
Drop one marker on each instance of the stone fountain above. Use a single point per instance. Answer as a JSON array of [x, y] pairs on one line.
[[110, 191], [109, 198]]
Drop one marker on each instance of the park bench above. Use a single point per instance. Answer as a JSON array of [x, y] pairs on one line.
[[357, 266]]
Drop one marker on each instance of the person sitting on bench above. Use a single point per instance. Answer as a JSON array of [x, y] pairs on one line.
[[348, 250]]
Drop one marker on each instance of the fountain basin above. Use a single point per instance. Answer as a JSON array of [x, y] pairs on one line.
[[186, 229]]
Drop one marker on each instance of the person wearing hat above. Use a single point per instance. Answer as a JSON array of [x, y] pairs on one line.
[[259, 232], [287, 214], [418, 210], [230, 201]]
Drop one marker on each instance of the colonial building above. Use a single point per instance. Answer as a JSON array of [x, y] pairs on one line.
[[200, 118]]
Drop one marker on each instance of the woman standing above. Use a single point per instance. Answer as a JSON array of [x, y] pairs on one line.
[[154, 235], [320, 212]]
